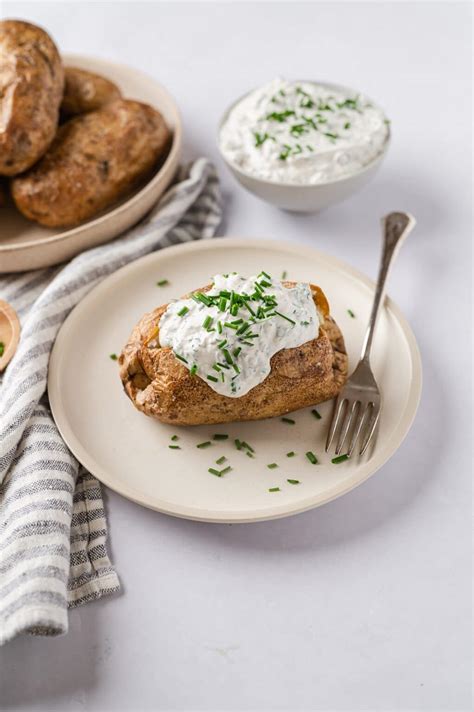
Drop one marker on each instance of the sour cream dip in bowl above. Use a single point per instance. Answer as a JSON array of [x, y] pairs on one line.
[[303, 145]]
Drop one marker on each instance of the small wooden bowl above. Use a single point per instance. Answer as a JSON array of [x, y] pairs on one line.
[[9, 333]]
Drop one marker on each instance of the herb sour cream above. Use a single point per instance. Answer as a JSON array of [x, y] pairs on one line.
[[228, 335], [303, 133]]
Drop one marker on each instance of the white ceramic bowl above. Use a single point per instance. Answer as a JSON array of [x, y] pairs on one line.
[[299, 197]]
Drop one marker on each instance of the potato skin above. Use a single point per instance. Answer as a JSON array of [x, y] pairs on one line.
[[162, 387], [31, 87], [95, 159], [85, 91]]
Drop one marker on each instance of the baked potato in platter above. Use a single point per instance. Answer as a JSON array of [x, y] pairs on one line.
[[159, 385], [95, 160], [86, 91], [31, 88]]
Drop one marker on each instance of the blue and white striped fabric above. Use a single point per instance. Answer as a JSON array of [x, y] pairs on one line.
[[52, 522]]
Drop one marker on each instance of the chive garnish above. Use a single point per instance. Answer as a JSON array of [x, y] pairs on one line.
[[225, 470], [247, 446], [288, 420], [285, 317], [222, 304], [351, 313], [212, 378], [290, 454], [181, 358], [183, 311], [230, 325], [214, 472], [347, 125], [312, 457], [236, 351], [340, 458], [227, 357], [219, 327], [249, 454], [272, 465], [174, 447], [293, 482], [220, 436], [317, 415], [193, 370], [238, 444], [174, 438], [221, 344], [162, 283], [274, 489], [114, 357], [204, 444], [284, 274], [207, 322], [221, 460], [216, 368]]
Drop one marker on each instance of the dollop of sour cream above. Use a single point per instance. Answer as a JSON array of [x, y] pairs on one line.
[[228, 335], [304, 133]]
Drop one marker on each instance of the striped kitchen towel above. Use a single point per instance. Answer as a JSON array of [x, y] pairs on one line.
[[53, 528]]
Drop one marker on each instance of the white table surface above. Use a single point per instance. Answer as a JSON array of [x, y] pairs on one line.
[[364, 603]]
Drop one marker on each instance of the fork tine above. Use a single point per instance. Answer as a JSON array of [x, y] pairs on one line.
[[372, 424], [357, 430], [335, 421], [346, 426]]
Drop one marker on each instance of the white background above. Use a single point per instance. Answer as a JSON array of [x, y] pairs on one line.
[[362, 604]]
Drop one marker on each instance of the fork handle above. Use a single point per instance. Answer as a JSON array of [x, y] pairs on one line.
[[396, 227]]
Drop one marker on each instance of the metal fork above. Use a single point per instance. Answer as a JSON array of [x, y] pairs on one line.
[[358, 404]]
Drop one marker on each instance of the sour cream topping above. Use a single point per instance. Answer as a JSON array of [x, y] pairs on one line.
[[228, 335], [304, 133]]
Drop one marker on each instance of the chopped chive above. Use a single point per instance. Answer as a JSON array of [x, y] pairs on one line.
[[174, 447], [247, 306], [265, 274], [204, 444], [243, 328], [223, 365], [274, 489], [174, 438], [220, 436], [2, 351], [221, 344], [200, 297], [214, 472], [347, 125], [317, 415], [247, 446], [284, 274], [183, 311], [351, 313], [221, 460], [264, 283], [219, 327], [340, 458], [238, 444], [181, 358], [162, 283], [234, 309], [312, 457], [222, 304], [222, 377], [207, 322], [193, 370], [228, 357], [272, 466], [285, 317], [212, 378], [216, 368], [114, 357], [290, 454], [236, 351], [225, 470], [288, 420], [249, 454], [293, 482]]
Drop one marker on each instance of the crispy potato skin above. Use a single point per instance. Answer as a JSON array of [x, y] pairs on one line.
[[31, 87], [85, 91], [94, 160], [160, 386]]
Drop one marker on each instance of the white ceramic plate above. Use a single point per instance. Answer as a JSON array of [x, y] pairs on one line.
[[129, 452], [26, 245]]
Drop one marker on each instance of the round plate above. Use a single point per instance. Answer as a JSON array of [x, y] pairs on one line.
[[129, 452], [26, 245]]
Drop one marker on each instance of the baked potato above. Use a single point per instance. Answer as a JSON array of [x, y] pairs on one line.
[[85, 91], [94, 160], [162, 387], [31, 88]]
